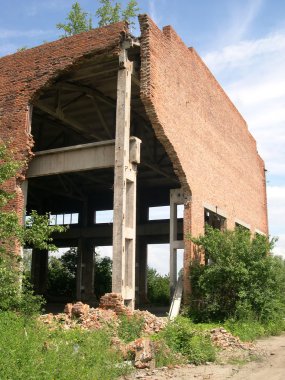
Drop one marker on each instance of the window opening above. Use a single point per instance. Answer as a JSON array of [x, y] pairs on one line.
[[103, 216], [159, 213]]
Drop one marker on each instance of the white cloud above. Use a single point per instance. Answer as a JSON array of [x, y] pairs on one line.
[[243, 53], [242, 18], [253, 75], [279, 250], [153, 11], [276, 202]]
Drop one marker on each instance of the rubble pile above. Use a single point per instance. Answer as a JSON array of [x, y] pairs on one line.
[[107, 314], [152, 324], [114, 301], [225, 340], [81, 315], [141, 350]]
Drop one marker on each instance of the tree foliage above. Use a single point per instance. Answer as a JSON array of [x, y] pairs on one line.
[[110, 12], [157, 287], [62, 275], [242, 281], [78, 21]]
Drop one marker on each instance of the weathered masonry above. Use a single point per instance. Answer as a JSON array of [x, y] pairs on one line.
[[111, 122]]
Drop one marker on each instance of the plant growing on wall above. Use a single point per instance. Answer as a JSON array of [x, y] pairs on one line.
[[78, 21], [37, 233]]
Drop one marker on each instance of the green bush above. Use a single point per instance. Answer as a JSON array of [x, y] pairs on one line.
[[243, 281], [185, 338], [28, 350], [15, 291]]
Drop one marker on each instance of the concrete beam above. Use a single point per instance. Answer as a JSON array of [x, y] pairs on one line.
[[159, 229], [98, 155]]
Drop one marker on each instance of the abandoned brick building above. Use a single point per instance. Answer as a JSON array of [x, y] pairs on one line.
[[113, 122]]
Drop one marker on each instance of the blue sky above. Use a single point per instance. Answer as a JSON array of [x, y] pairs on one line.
[[241, 41]]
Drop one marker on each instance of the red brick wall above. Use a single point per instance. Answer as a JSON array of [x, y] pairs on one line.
[[24, 74], [204, 134]]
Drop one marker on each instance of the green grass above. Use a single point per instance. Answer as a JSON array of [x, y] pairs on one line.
[[190, 340], [251, 330], [28, 350]]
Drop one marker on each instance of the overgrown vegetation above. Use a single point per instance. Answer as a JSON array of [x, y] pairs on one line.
[[28, 350], [243, 281], [188, 339], [130, 328], [15, 292]]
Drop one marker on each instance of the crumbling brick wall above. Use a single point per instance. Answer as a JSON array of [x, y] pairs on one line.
[[23, 75], [212, 150]]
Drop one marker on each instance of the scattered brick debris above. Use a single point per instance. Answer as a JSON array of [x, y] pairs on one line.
[[225, 340]]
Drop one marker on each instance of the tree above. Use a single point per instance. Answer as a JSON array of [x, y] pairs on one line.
[[109, 13], [242, 281], [37, 232], [78, 21], [157, 287]]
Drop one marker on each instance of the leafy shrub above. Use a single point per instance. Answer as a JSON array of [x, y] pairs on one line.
[[16, 295], [185, 338], [157, 288], [164, 356], [243, 280]]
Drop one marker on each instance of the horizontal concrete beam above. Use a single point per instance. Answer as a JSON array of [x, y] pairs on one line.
[[149, 229], [98, 155]]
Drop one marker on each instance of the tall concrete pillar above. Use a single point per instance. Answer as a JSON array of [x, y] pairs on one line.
[[176, 198], [125, 172], [141, 273], [87, 280], [39, 270]]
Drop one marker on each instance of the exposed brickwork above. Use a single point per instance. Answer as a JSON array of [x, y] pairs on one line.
[[23, 75], [207, 139]]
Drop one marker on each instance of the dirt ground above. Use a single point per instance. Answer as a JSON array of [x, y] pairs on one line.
[[270, 365]]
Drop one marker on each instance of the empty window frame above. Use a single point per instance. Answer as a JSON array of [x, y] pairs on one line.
[[64, 219], [159, 213], [214, 220], [103, 216]]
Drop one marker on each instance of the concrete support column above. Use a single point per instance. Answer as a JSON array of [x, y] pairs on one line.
[[176, 198], [142, 272], [39, 270], [124, 224], [79, 270], [87, 280]]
